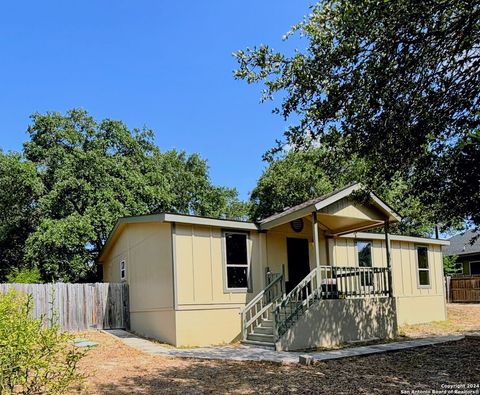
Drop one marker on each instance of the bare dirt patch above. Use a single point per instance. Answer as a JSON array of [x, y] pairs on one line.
[[115, 368]]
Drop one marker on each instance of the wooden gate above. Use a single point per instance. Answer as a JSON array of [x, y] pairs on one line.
[[465, 289], [79, 306]]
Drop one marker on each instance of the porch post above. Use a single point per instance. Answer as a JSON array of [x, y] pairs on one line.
[[316, 247], [389, 263]]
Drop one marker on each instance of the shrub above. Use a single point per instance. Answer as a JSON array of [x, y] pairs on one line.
[[34, 358], [25, 276]]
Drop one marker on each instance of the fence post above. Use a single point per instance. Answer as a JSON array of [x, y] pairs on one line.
[[448, 280]]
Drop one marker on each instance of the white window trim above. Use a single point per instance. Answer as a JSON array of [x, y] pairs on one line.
[[124, 270], [357, 260], [226, 288], [428, 270], [356, 251]]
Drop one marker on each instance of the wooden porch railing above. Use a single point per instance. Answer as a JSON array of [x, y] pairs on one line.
[[258, 309], [329, 282]]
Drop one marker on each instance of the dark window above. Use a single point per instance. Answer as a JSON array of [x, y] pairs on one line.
[[123, 270], [364, 251], [237, 260], [475, 267], [423, 268]]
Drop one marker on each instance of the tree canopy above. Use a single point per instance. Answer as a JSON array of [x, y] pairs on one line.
[[393, 83], [77, 176], [297, 176]]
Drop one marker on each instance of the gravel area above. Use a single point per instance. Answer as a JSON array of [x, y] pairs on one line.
[[114, 368]]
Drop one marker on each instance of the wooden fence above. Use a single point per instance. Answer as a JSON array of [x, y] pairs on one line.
[[79, 306], [464, 289]]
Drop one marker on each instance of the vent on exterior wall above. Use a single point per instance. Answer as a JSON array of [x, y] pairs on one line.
[[297, 225]]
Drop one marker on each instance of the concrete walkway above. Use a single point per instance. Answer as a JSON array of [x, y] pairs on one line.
[[248, 353], [380, 348], [240, 353]]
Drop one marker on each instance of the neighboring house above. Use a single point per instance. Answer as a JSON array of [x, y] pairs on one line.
[[468, 255], [307, 277]]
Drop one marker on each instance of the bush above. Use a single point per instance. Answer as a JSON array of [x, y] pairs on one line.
[[25, 276], [34, 358]]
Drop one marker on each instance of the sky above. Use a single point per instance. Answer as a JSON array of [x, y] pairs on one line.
[[166, 65]]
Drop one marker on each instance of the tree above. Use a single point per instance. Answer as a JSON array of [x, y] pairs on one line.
[[450, 266], [20, 186], [395, 83], [297, 176], [92, 173], [24, 276]]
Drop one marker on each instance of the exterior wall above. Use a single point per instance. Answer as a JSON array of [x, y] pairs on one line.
[[111, 266], [344, 252], [346, 207], [177, 280], [332, 322], [276, 246], [157, 324], [146, 249], [415, 303], [205, 325], [463, 262], [207, 312]]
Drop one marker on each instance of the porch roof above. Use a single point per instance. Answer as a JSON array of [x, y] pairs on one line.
[[335, 223]]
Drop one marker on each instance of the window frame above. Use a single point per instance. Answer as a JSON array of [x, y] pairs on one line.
[[124, 270], [419, 269], [226, 288], [363, 282], [470, 265]]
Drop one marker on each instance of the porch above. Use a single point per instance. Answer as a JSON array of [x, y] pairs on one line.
[[312, 277]]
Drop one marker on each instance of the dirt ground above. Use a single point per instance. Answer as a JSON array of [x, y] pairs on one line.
[[462, 318], [114, 368]]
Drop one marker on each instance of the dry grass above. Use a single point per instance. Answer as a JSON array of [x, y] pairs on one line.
[[462, 318], [115, 368]]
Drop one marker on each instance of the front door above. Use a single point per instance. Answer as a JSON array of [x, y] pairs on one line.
[[298, 261]]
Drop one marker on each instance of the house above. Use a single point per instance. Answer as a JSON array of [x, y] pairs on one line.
[[309, 276], [468, 255]]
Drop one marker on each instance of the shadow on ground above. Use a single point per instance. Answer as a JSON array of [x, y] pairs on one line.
[[424, 368]]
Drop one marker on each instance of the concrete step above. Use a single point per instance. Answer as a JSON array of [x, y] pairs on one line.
[[266, 345], [260, 337]]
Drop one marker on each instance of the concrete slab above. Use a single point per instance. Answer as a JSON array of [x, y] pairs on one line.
[[240, 353], [381, 348], [250, 353]]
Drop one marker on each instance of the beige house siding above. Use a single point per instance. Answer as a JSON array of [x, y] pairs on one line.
[[333, 322], [146, 249], [177, 278], [276, 246], [346, 207], [207, 312], [200, 267], [344, 252], [415, 303], [206, 325]]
